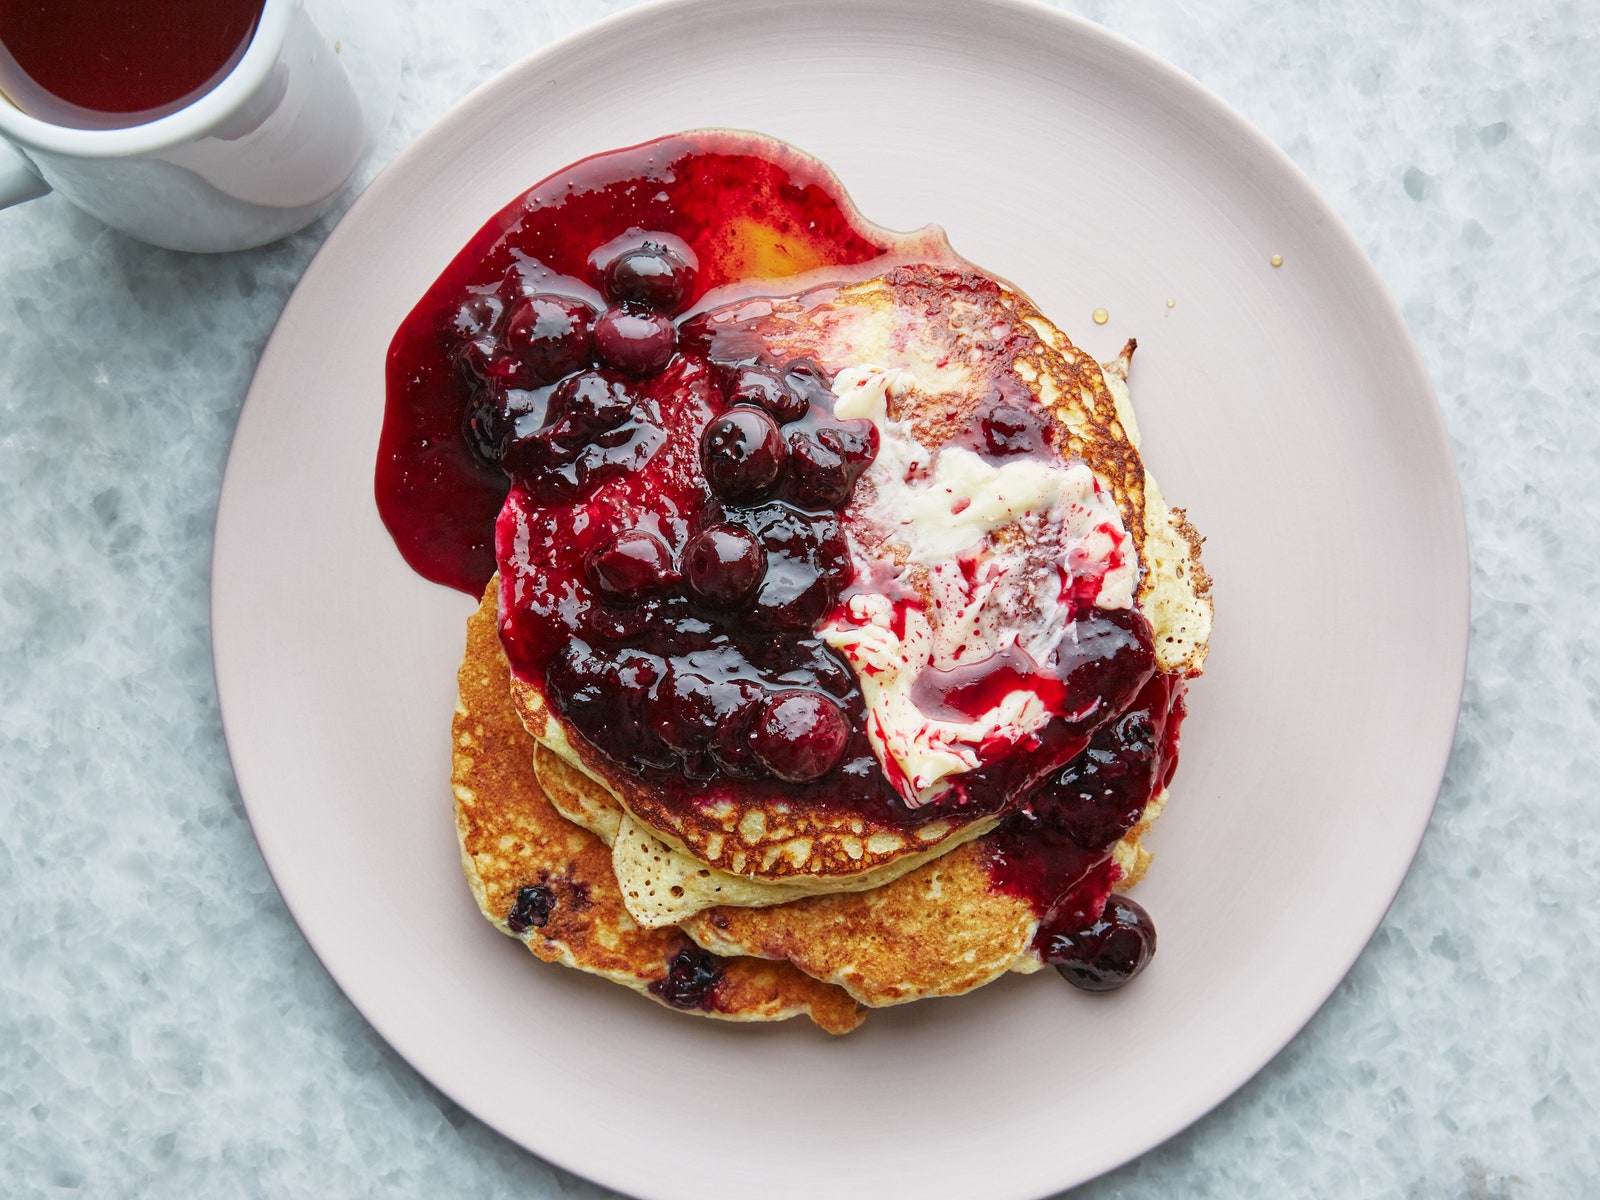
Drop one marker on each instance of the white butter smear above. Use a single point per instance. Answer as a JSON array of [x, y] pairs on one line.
[[939, 511]]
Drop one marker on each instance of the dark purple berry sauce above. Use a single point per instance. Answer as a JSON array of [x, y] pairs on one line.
[[1054, 851]]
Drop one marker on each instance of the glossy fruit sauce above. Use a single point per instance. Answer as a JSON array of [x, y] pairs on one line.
[[740, 208], [577, 403]]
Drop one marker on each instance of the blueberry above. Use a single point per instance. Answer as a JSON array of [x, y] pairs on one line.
[[651, 276], [635, 341], [631, 566], [532, 908], [799, 735], [810, 382], [1110, 952], [743, 454], [723, 566], [691, 980], [548, 337], [818, 477], [488, 422], [752, 385], [587, 404], [855, 441]]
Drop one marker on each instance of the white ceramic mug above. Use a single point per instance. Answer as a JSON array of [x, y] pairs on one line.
[[263, 153]]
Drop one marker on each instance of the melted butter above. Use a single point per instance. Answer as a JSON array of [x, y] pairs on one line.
[[955, 592]]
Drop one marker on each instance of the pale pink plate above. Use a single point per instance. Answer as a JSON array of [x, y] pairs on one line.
[[1286, 408]]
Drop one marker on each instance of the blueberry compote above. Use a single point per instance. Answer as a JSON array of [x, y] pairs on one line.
[[1053, 851], [662, 496], [667, 587], [582, 271]]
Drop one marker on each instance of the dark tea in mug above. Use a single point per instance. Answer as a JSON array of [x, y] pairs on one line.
[[109, 64]]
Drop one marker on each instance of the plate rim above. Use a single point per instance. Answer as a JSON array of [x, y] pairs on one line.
[[1216, 114]]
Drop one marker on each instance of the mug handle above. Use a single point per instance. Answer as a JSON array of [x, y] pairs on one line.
[[18, 180]]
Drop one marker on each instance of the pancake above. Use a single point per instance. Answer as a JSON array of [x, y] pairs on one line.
[[663, 881], [513, 841], [940, 930], [954, 336]]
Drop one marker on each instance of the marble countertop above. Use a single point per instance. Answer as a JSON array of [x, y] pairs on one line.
[[140, 1054]]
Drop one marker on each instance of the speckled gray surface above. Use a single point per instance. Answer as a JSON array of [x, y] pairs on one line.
[[164, 1030]]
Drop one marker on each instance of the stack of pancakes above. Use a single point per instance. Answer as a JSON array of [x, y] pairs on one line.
[[807, 912]]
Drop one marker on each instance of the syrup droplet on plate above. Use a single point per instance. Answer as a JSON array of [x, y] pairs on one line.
[[1101, 316], [1276, 260]]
